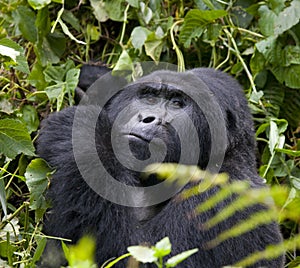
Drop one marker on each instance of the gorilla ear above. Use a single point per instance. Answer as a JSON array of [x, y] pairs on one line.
[[89, 74]]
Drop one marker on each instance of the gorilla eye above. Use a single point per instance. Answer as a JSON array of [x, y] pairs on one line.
[[151, 100], [176, 103]]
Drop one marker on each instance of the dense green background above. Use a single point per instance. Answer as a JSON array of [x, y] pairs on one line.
[[43, 43]]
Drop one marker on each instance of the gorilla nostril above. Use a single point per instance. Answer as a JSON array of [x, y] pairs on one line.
[[149, 119]]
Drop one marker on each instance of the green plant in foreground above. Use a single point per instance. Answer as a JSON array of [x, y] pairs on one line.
[[155, 254]]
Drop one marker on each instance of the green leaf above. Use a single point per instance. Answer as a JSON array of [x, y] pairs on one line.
[[123, 65], [51, 48], [273, 136], [14, 139], [99, 10], [56, 93], [289, 152], [133, 3], [153, 47], [291, 55], [146, 12], [37, 77], [142, 254], [288, 75], [115, 9], [69, 17], [81, 253], [268, 47], [286, 19], [39, 250], [195, 22], [267, 20], [172, 262], [3, 197], [25, 19], [2, 189], [36, 175], [212, 33], [290, 108], [30, 118], [257, 62], [38, 4], [163, 247], [68, 33], [6, 106], [138, 36], [11, 49]]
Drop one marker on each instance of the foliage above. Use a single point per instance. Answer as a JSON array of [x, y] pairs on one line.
[[44, 42], [155, 254], [82, 254]]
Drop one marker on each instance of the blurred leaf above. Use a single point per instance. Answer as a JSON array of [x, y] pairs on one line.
[[255, 220], [273, 136], [6, 106], [142, 254], [2, 189], [81, 254], [99, 10], [38, 4], [146, 12], [290, 108], [162, 247], [39, 250], [14, 139], [133, 3], [173, 261]]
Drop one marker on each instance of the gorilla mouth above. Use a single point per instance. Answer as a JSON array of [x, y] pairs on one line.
[[135, 136]]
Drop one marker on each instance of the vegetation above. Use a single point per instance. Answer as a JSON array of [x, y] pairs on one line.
[[43, 43]]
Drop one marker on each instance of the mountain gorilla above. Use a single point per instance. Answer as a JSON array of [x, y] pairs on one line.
[[198, 117]]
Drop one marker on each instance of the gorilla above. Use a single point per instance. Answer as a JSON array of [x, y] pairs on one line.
[[99, 150]]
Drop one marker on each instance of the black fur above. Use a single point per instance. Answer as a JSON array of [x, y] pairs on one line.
[[77, 209]]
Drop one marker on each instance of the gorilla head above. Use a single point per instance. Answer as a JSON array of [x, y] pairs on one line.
[[199, 117]]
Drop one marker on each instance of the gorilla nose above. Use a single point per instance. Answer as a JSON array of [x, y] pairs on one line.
[[150, 119]]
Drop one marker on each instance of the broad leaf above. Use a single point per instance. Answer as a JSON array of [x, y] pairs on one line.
[[12, 50], [195, 22], [38, 4], [25, 18], [14, 139], [286, 19], [139, 36], [163, 247], [37, 182], [142, 254], [30, 118]]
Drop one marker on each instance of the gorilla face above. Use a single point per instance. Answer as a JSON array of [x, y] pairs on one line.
[[149, 121]]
